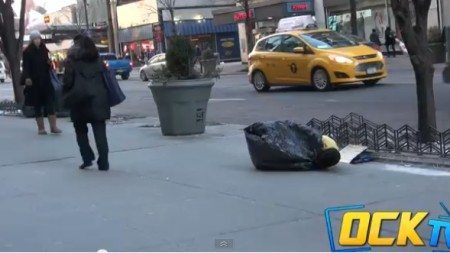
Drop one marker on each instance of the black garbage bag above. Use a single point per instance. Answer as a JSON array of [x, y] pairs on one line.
[[283, 145]]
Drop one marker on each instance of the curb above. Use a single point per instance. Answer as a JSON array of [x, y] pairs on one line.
[[402, 158], [234, 73]]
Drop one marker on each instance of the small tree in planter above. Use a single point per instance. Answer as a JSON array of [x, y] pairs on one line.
[[181, 93]]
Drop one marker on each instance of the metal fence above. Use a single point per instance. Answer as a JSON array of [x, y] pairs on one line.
[[355, 129]]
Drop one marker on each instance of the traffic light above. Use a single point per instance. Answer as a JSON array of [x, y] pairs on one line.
[[46, 19]]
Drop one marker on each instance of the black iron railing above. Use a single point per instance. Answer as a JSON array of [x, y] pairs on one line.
[[9, 108], [355, 129]]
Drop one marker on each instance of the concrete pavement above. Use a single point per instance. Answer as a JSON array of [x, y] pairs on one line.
[[183, 193]]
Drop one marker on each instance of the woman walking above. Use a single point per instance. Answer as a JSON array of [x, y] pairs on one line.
[[84, 69], [39, 90]]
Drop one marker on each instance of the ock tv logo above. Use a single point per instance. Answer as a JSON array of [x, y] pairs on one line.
[[360, 230]]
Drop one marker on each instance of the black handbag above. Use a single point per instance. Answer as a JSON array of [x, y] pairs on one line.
[[115, 93], [27, 95]]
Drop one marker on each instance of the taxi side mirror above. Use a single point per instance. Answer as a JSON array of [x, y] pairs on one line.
[[299, 50]]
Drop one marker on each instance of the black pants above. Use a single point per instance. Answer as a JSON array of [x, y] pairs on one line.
[[44, 101], [99, 128], [388, 47]]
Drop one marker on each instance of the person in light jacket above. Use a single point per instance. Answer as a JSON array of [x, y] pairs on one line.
[[39, 91], [84, 60]]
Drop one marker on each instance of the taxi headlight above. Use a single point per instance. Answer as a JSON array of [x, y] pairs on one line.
[[340, 59], [380, 54]]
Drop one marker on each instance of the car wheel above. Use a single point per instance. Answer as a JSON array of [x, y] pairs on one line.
[[321, 80], [143, 76], [371, 82], [125, 76], [260, 82]]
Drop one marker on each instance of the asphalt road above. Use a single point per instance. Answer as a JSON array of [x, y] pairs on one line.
[[234, 100]]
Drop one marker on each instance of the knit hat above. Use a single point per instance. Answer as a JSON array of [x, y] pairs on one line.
[[35, 35]]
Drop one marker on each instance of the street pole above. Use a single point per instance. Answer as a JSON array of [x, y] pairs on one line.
[[387, 12], [115, 25], [111, 43], [353, 17], [86, 15]]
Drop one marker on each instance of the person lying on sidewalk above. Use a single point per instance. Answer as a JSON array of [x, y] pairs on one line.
[[288, 146], [330, 154]]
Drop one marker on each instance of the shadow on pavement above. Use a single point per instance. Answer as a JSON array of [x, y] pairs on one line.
[[281, 89]]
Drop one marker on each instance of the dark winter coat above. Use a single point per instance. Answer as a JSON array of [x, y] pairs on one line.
[[97, 108], [389, 37], [36, 66], [374, 38]]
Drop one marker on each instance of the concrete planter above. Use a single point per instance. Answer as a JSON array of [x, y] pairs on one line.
[[438, 51], [182, 105]]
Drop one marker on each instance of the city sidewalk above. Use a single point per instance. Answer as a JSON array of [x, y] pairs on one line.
[[234, 68], [183, 193]]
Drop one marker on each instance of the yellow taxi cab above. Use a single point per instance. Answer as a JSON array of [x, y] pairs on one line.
[[318, 57]]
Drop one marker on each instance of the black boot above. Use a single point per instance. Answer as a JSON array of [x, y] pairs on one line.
[[85, 165], [104, 166]]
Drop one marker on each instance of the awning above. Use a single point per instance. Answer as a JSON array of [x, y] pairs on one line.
[[196, 27], [137, 33]]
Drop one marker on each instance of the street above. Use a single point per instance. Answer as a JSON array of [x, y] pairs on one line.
[[234, 100]]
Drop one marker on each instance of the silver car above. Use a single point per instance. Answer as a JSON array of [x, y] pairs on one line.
[[155, 63]]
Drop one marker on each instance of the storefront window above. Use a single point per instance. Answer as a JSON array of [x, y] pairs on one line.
[[374, 18], [139, 52], [204, 41]]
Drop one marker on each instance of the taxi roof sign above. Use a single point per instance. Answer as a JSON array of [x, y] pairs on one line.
[[296, 23]]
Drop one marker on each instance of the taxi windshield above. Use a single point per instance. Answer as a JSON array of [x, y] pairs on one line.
[[328, 39]]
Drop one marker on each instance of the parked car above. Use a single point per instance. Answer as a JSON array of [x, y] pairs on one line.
[[2, 72], [155, 63], [122, 67]]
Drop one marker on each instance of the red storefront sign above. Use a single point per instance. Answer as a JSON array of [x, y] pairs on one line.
[[299, 7], [242, 16]]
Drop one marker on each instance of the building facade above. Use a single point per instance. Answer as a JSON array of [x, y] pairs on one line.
[[97, 12], [135, 29], [375, 14], [194, 20], [265, 15]]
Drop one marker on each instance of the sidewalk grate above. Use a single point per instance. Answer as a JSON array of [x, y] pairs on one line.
[[355, 129]]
